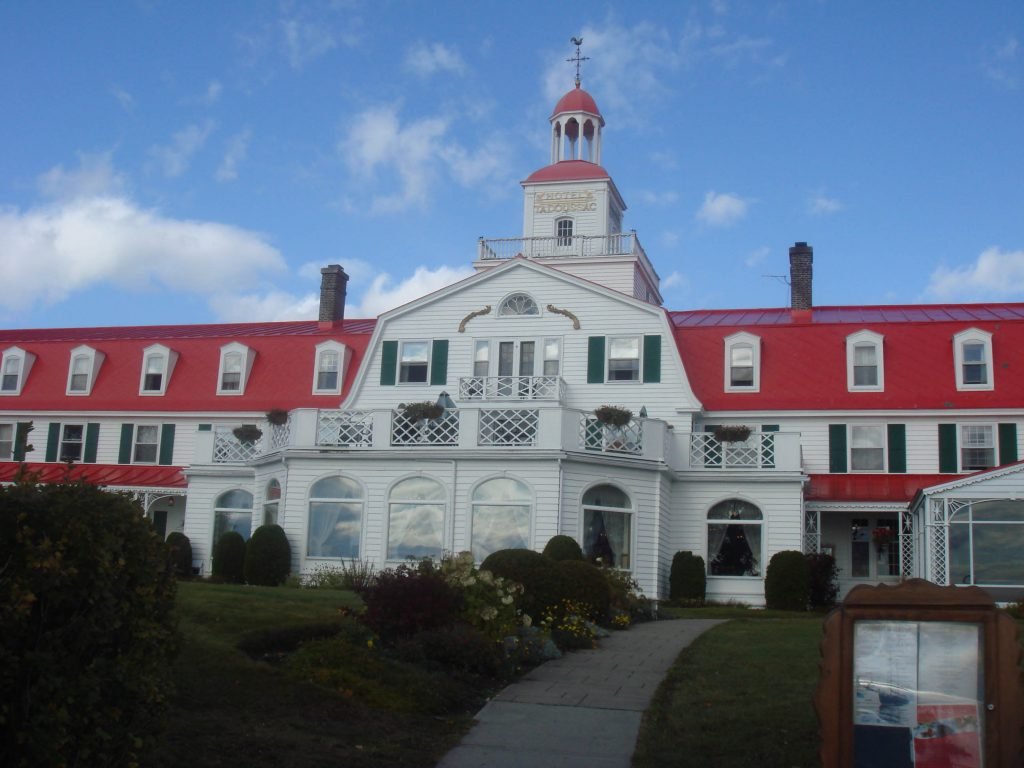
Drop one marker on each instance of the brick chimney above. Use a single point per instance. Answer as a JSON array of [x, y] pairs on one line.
[[801, 273], [333, 287]]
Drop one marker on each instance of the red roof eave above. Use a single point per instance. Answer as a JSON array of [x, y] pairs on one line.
[[104, 475], [878, 488]]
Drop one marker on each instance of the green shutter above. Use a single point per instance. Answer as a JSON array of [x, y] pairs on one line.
[[897, 434], [52, 441], [92, 438], [21, 439], [837, 448], [439, 362], [948, 463], [595, 360], [1007, 443], [124, 454], [167, 444], [652, 359], [388, 363]]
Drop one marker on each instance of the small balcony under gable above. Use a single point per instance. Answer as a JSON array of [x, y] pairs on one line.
[[527, 388]]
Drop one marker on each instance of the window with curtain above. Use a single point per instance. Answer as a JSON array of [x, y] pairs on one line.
[[502, 510], [271, 503], [336, 507], [232, 511], [735, 539], [608, 526], [416, 509]]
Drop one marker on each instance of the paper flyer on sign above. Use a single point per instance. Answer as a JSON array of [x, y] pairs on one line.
[[885, 673]]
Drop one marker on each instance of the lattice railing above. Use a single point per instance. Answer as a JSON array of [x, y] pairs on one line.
[[228, 449], [597, 436], [577, 245], [278, 436], [757, 451], [907, 564], [812, 531], [443, 430], [349, 429], [937, 530], [508, 426], [511, 388]]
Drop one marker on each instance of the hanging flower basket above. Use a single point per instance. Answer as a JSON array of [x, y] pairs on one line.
[[613, 415], [248, 433], [415, 412], [732, 433], [882, 537], [277, 416]]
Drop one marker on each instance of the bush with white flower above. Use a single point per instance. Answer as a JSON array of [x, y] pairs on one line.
[[490, 603]]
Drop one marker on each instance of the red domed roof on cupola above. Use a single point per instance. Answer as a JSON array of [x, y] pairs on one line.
[[568, 170], [577, 100]]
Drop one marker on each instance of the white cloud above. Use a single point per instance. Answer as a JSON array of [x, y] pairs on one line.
[[821, 205], [658, 198], [94, 176], [722, 210], [383, 294], [1000, 62], [305, 41], [58, 249], [675, 280], [757, 257], [234, 153], [213, 91], [425, 59], [996, 274], [174, 158], [271, 307], [124, 98]]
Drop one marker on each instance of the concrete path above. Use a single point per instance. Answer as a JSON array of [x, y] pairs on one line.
[[582, 710]]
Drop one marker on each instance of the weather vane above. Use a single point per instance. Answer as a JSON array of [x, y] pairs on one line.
[[577, 41]]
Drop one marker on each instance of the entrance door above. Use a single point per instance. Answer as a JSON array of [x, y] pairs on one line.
[[160, 522], [515, 368]]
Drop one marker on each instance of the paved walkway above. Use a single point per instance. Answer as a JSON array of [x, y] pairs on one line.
[[582, 710]]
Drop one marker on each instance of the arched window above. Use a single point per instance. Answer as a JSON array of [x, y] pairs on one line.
[[232, 512], [416, 518], [518, 304], [734, 539], [271, 503], [608, 526], [335, 517], [502, 509], [563, 231]]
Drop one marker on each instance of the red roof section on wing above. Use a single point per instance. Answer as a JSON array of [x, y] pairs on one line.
[[803, 356], [577, 100], [864, 487], [568, 170], [107, 475], [281, 376]]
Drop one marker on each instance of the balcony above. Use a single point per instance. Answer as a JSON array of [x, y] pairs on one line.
[[621, 244], [761, 451], [526, 388]]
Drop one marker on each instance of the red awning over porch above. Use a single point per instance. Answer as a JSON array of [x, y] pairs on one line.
[[107, 475], [873, 487]]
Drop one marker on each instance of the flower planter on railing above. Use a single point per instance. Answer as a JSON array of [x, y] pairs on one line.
[[443, 430]]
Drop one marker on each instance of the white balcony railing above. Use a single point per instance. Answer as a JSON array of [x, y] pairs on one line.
[[228, 449], [511, 388], [443, 430], [508, 426], [608, 438], [623, 243], [759, 451]]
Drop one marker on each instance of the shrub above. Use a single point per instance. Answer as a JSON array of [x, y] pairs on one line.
[[787, 581], [823, 580], [268, 558], [460, 647], [229, 557], [180, 553], [487, 602], [628, 603], [688, 578], [563, 548], [406, 600], [537, 574], [569, 626], [86, 615], [585, 585], [355, 575]]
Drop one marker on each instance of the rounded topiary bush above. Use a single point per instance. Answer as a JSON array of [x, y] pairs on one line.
[[585, 583], [180, 553], [229, 557], [787, 581], [87, 625], [537, 574], [824, 579], [268, 557], [688, 579], [563, 548]]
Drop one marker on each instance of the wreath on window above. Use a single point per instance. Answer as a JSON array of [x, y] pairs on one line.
[[248, 433], [613, 415], [732, 433], [416, 412]]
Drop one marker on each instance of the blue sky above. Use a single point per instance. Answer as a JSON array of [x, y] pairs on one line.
[[179, 162]]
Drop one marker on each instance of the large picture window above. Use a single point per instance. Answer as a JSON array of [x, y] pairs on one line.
[[335, 517], [734, 539], [416, 518], [502, 510], [232, 512], [985, 542], [608, 526]]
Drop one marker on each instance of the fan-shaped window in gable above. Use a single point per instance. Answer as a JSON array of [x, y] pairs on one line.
[[518, 304]]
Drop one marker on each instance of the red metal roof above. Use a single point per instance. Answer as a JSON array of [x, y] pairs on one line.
[[107, 475], [867, 488], [568, 170], [577, 100], [803, 356]]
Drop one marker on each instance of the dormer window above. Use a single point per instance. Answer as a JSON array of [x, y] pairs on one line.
[[563, 231], [329, 372], [14, 369], [518, 304], [742, 363], [972, 353], [235, 365], [865, 371], [157, 365], [83, 370]]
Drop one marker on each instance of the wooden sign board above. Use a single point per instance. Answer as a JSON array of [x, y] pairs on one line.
[[920, 676]]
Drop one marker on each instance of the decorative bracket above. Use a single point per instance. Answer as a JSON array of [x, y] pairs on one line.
[[567, 313], [477, 313]]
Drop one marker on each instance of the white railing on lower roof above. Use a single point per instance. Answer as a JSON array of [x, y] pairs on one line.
[[444, 430], [756, 452], [508, 426], [609, 438]]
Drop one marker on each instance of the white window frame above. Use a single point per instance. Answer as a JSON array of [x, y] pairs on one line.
[[477, 501], [740, 340], [481, 357], [864, 339], [342, 352], [557, 359], [137, 431], [92, 360], [610, 340], [24, 360], [628, 512], [973, 336], [522, 299], [7, 454], [168, 358], [248, 355], [62, 441], [851, 428], [401, 348], [961, 445], [399, 501], [271, 509], [565, 240]]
